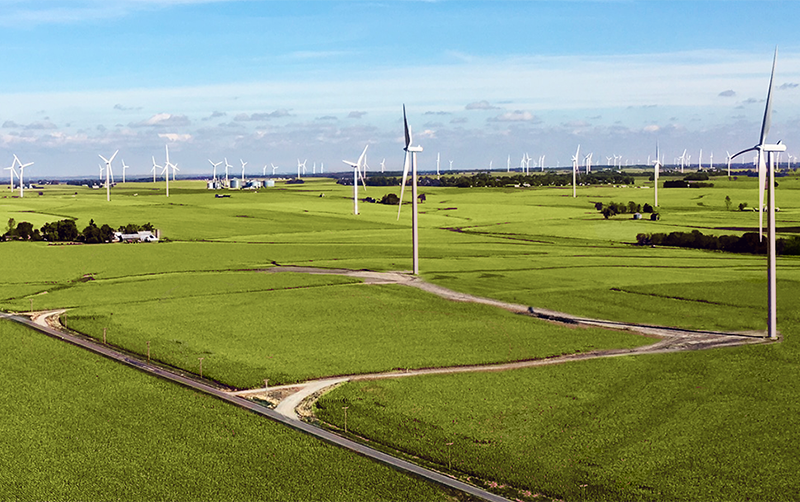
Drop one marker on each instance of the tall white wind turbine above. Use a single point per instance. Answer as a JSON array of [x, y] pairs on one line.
[[357, 167], [125, 167], [264, 171], [274, 168], [437, 164], [108, 173], [383, 165], [411, 158], [20, 175], [541, 163], [243, 164], [761, 149], [575, 161]]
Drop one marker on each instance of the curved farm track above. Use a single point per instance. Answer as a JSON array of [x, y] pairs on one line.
[[291, 399]]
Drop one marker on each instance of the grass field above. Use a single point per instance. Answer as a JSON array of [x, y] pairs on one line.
[[80, 427], [670, 425]]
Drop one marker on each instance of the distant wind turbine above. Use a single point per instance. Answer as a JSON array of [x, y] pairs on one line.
[[227, 166], [243, 164], [12, 173], [215, 164], [108, 172], [575, 161], [656, 169], [357, 166], [154, 169], [21, 172], [124, 168], [274, 168]]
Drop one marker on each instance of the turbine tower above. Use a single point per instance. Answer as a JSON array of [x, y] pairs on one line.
[[411, 157], [124, 168], [154, 169], [274, 168], [227, 166], [761, 148], [243, 164]]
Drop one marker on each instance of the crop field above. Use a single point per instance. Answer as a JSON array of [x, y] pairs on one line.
[[594, 426], [80, 427]]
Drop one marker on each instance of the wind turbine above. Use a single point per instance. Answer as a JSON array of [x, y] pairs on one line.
[[527, 163], [174, 168], [437, 164], [21, 182], [711, 161], [508, 164], [108, 172], [656, 169], [321, 168], [167, 165], [215, 168], [683, 160], [357, 166], [761, 147], [729, 163], [124, 168], [274, 168], [12, 172], [451, 165], [588, 163], [700, 161], [154, 169], [383, 166], [541, 162], [608, 161], [264, 171], [100, 176], [412, 159], [227, 166], [301, 166], [243, 164], [575, 161], [314, 168]]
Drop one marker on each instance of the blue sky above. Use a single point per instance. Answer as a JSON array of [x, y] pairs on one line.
[[271, 81]]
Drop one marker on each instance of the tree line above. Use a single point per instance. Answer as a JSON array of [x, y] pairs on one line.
[[493, 180], [747, 243], [67, 231]]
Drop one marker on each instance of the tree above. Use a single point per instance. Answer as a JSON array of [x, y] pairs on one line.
[[390, 199], [11, 225], [728, 202], [24, 230], [742, 206], [647, 208]]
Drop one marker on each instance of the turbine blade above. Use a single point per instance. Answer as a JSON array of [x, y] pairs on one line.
[[407, 130], [768, 110], [403, 185], [744, 151], [112, 157]]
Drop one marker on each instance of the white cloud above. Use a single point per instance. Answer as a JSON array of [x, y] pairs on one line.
[[515, 116], [651, 128], [175, 137], [163, 120], [480, 105]]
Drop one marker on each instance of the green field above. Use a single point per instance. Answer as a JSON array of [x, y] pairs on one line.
[[202, 294], [80, 427]]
